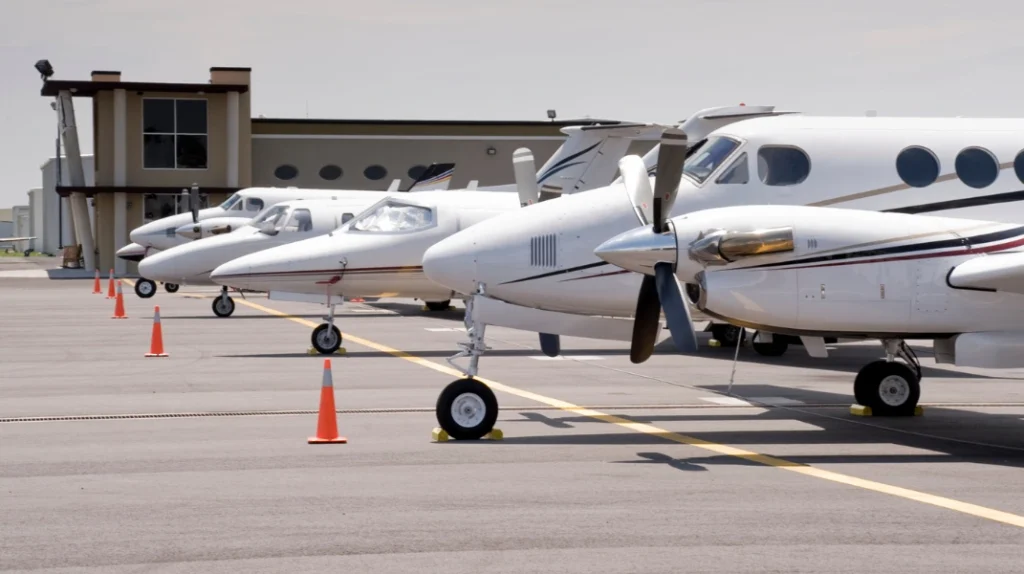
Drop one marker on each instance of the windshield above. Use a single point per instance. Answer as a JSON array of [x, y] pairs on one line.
[[709, 157], [392, 216], [270, 221], [233, 202]]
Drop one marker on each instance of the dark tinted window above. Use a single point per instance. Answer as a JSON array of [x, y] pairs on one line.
[[158, 151], [976, 167], [1018, 166], [191, 151], [917, 166], [191, 116], [158, 116], [330, 172], [346, 217], [416, 171], [286, 172], [781, 165], [174, 134], [375, 172]]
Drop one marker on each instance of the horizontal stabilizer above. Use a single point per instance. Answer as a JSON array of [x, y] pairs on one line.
[[999, 272], [499, 313]]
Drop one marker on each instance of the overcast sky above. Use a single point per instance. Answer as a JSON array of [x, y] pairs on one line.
[[484, 59]]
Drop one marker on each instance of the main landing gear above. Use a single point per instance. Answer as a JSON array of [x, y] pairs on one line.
[[890, 388], [438, 305], [326, 338], [467, 408], [223, 305], [146, 288]]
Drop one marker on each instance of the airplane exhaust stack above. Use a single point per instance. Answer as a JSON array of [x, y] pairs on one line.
[[327, 421], [119, 304], [156, 343]]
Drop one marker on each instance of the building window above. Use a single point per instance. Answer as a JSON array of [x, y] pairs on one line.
[[782, 165], [736, 173], [330, 172], [174, 133], [976, 167], [1018, 166], [375, 172], [416, 171], [917, 166], [286, 172]]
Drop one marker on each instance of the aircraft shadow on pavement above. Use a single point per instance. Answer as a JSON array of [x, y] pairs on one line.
[[941, 435]]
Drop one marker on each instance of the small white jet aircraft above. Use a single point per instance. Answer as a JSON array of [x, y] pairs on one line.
[[535, 269], [236, 211], [378, 253], [817, 272]]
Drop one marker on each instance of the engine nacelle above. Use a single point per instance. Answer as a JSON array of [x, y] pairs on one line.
[[756, 296]]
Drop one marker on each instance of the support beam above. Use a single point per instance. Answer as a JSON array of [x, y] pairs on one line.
[[76, 172], [120, 178], [83, 229], [232, 139]]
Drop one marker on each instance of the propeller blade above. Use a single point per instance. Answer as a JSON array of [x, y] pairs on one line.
[[526, 176], [638, 186], [193, 202], [550, 344], [677, 314], [646, 321], [671, 156]]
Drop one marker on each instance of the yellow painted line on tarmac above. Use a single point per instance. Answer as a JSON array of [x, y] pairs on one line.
[[906, 493]]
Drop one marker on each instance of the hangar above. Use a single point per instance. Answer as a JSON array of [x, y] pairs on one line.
[[151, 140]]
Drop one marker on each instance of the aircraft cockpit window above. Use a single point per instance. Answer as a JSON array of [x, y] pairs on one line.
[[346, 218], [701, 164], [233, 202], [782, 165], [270, 221], [737, 173], [393, 217], [253, 204], [300, 221]]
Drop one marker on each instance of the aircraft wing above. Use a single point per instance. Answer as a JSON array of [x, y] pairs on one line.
[[1003, 272], [9, 239]]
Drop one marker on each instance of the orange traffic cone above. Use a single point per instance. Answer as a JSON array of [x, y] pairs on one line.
[[357, 300], [96, 289], [110, 287], [156, 343], [327, 423], [119, 304]]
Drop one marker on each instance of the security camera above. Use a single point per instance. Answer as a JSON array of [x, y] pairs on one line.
[[45, 69]]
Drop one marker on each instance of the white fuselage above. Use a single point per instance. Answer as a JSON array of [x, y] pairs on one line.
[[364, 259], [850, 163], [192, 262]]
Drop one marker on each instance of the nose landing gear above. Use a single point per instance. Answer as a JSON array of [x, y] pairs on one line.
[[145, 288], [326, 338], [223, 306]]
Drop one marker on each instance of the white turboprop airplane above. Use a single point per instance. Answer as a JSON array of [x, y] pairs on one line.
[[962, 167], [236, 211], [378, 253]]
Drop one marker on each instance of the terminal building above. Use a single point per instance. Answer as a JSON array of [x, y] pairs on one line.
[[153, 140]]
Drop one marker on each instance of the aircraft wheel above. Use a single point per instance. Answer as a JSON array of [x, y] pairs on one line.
[[726, 334], [776, 348], [145, 288], [890, 389], [171, 287], [467, 409], [326, 339], [439, 305], [223, 306]]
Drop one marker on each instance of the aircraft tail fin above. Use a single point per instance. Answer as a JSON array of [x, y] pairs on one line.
[[436, 177]]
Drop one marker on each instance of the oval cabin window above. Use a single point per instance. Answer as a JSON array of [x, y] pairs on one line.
[[917, 166], [976, 167], [782, 165], [416, 171]]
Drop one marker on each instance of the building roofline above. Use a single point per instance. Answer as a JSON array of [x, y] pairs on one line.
[[229, 69], [379, 122], [88, 88], [65, 190]]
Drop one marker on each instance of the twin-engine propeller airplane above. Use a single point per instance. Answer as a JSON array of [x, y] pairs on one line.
[[536, 269]]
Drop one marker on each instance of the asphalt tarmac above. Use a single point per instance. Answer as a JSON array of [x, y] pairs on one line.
[[197, 462]]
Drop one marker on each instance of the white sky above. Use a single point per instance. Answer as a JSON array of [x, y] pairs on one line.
[[639, 60]]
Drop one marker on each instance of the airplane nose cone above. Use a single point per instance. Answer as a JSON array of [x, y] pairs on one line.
[[132, 252], [234, 273], [639, 249], [452, 264], [160, 267]]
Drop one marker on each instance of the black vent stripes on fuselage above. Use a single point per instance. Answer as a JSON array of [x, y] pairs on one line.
[[544, 250]]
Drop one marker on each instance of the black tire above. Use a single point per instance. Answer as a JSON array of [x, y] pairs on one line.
[[171, 287], [467, 397], [145, 288], [438, 305], [776, 348], [223, 306], [890, 389], [326, 342], [726, 334]]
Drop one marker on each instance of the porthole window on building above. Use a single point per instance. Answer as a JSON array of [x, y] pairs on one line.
[[917, 166], [375, 172], [782, 165], [286, 172], [976, 167], [1018, 166], [174, 133], [330, 172], [416, 171]]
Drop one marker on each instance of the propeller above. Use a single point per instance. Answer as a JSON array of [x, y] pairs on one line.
[[193, 202], [659, 292]]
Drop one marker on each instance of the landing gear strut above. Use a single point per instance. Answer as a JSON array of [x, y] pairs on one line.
[[726, 334], [326, 338], [467, 408], [145, 288], [223, 306], [888, 387]]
